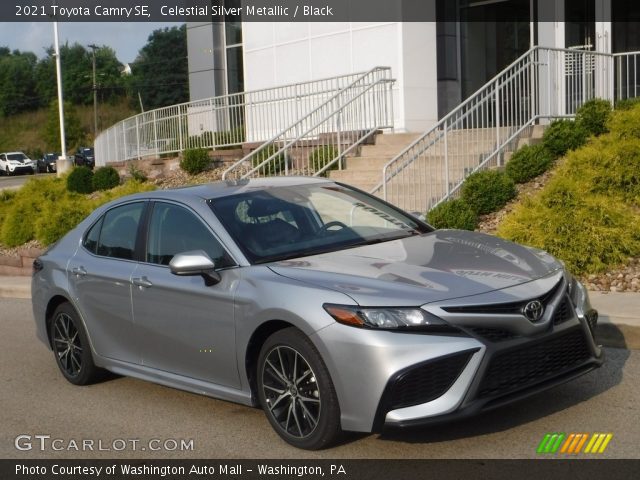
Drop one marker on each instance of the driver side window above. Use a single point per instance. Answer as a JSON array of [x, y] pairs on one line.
[[174, 230]]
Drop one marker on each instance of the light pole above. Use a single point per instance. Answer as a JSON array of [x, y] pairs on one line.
[[93, 48], [62, 164]]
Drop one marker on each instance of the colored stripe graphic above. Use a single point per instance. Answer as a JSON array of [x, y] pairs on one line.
[[574, 443]]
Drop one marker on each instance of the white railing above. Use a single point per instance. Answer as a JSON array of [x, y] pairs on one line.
[[220, 122], [320, 140], [544, 83]]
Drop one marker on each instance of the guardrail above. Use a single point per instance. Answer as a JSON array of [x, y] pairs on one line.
[[542, 83], [318, 141], [218, 122]]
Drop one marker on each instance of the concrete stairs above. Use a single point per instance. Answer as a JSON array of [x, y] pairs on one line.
[[365, 170]]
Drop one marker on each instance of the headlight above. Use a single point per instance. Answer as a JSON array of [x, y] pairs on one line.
[[389, 318]]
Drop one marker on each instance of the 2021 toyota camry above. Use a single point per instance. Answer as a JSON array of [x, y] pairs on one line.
[[324, 305]]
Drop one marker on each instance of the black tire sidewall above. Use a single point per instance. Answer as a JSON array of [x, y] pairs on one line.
[[88, 370], [328, 429]]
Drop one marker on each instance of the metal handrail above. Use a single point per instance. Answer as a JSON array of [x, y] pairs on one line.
[[541, 83], [293, 135], [218, 122]]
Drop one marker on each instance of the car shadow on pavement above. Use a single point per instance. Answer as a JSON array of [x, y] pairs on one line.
[[533, 408]]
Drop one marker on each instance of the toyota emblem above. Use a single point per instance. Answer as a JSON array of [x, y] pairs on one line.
[[533, 311]]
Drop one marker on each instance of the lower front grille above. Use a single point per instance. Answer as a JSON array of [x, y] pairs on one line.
[[518, 368], [428, 381]]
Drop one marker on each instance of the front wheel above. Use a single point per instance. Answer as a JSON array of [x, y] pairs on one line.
[[71, 347], [296, 391]]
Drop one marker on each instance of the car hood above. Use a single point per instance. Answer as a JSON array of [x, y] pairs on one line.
[[438, 266]]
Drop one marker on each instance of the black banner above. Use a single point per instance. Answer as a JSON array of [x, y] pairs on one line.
[[292, 11], [542, 469]]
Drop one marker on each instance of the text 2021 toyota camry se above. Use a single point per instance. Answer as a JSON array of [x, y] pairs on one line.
[[324, 305]]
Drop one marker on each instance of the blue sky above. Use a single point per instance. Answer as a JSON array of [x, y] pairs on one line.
[[126, 38]]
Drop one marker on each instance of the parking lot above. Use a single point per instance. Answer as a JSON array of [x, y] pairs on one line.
[[118, 412]]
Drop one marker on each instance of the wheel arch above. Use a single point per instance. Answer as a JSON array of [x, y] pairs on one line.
[[256, 341], [52, 305]]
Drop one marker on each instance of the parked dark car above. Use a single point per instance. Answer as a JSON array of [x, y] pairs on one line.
[[47, 164], [84, 157]]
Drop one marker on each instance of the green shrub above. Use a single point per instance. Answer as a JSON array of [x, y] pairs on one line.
[[627, 103], [593, 116], [195, 161], [136, 174], [562, 136], [625, 123], [487, 191], [588, 232], [453, 214], [321, 156], [528, 162], [80, 180], [59, 218], [275, 166], [105, 178]]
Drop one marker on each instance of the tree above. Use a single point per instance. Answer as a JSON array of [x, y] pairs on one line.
[[74, 134], [17, 86], [160, 73]]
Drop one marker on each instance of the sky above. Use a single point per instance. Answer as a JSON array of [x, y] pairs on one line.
[[126, 38]]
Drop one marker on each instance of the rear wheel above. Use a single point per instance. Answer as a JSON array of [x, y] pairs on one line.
[[296, 391], [71, 347]]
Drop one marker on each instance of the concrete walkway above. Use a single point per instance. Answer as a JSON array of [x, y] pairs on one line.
[[618, 325]]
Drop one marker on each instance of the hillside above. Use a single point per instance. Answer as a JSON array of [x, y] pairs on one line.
[[24, 131]]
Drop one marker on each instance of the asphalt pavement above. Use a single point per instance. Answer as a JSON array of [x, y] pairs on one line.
[[119, 411], [15, 182]]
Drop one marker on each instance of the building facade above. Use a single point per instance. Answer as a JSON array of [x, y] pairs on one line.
[[436, 64]]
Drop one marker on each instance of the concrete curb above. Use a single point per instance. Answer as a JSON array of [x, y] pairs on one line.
[[618, 325]]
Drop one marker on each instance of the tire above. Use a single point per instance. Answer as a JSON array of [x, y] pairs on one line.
[[71, 347], [310, 424]]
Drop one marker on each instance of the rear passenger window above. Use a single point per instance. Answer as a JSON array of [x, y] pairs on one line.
[[90, 241], [119, 231]]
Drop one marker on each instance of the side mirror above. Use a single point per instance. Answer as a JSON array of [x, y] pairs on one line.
[[189, 264]]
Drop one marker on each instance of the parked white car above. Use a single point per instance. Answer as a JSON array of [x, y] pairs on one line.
[[16, 162]]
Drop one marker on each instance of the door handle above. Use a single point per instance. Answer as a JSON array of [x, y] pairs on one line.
[[79, 271], [142, 282]]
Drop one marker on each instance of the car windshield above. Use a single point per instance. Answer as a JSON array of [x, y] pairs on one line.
[[87, 151], [288, 222], [16, 156]]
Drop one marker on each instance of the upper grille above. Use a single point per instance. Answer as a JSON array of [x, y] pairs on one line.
[[504, 308], [516, 368], [428, 381]]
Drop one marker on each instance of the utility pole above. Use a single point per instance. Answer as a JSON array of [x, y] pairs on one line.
[[62, 164], [93, 48]]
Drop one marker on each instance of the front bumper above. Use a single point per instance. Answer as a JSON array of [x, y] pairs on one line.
[[20, 168], [399, 379]]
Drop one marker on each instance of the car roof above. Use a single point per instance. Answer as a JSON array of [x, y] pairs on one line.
[[230, 187]]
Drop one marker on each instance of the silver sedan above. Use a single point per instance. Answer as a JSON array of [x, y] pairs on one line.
[[324, 305]]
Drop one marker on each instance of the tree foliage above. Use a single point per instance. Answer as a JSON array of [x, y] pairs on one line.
[[73, 132], [160, 73]]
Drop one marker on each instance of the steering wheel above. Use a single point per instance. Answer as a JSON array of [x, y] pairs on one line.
[[325, 228]]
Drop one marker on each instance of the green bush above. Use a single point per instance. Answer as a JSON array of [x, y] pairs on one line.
[[593, 116], [627, 103], [195, 161], [487, 191], [105, 178], [80, 180], [528, 162], [136, 174], [275, 166], [453, 214], [562, 136], [625, 123], [58, 218], [321, 156], [588, 232]]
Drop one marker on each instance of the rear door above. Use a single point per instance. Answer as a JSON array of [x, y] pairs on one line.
[[100, 278]]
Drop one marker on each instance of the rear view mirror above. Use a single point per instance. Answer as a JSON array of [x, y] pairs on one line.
[[194, 263]]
